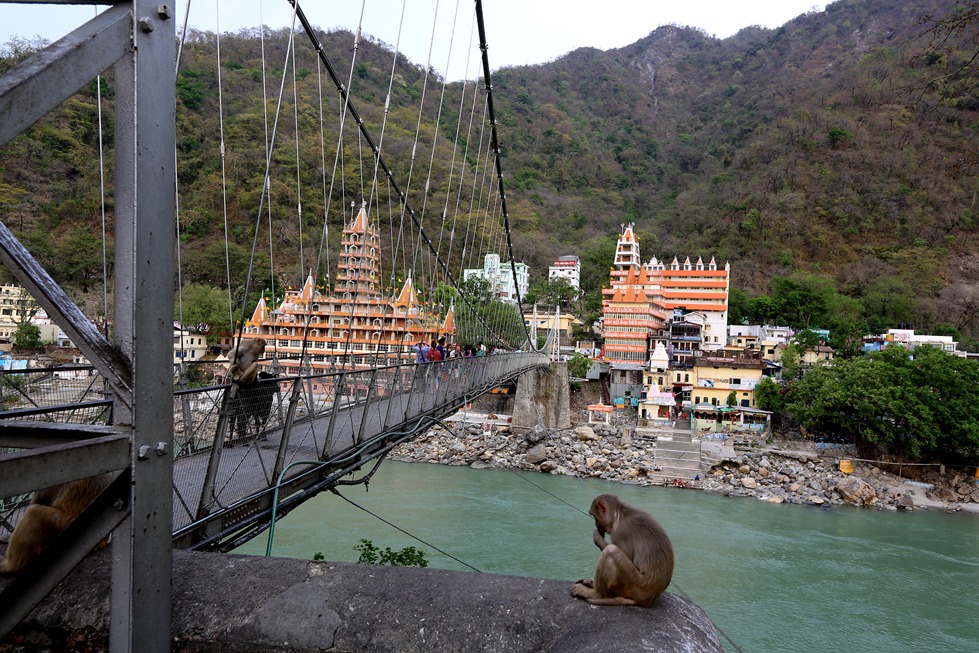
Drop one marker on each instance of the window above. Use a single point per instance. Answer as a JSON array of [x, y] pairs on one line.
[[686, 378]]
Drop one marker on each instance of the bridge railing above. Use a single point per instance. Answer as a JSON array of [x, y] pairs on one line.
[[231, 442]]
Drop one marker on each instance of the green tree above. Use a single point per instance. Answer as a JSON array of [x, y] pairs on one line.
[[768, 394], [803, 299], [27, 337], [204, 304], [579, 365], [80, 260], [919, 404], [889, 301], [552, 292], [791, 359], [738, 307], [732, 399]]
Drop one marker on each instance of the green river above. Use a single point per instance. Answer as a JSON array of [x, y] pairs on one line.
[[774, 578]]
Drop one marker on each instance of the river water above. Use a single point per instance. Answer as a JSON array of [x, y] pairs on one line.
[[774, 578]]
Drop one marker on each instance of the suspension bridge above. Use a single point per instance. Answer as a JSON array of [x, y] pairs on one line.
[[406, 187]]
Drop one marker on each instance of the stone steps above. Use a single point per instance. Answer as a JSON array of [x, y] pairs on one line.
[[677, 455]]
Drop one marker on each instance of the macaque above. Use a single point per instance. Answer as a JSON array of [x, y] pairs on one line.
[[638, 564], [51, 511], [244, 360]]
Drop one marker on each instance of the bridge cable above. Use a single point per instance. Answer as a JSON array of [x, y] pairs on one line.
[[497, 152], [414, 537], [342, 89], [224, 177]]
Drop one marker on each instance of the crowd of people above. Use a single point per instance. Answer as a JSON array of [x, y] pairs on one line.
[[438, 351]]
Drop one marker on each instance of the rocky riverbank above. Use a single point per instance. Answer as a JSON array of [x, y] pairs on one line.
[[783, 472]]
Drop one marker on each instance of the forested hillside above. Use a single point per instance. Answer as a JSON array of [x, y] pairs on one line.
[[835, 156]]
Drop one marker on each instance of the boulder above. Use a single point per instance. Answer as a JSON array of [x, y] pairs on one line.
[[855, 491], [536, 434], [585, 433], [536, 455], [749, 483]]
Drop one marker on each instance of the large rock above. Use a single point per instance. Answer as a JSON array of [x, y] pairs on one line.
[[585, 433], [856, 491], [243, 604], [536, 455], [536, 434]]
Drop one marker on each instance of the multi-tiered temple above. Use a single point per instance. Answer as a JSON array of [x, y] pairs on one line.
[[355, 325], [644, 299]]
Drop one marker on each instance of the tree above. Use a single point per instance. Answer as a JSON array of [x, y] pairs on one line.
[[552, 292], [27, 337], [732, 399], [918, 405], [80, 260], [204, 305], [803, 299], [768, 394], [579, 365], [790, 362]]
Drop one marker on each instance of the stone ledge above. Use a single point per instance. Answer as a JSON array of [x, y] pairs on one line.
[[244, 604]]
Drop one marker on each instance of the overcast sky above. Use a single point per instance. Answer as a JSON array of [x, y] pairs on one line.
[[518, 31]]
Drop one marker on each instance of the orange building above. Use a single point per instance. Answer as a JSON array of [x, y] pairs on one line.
[[643, 297], [354, 325]]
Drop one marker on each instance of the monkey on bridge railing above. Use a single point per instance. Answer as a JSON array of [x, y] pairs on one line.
[[244, 360], [637, 566]]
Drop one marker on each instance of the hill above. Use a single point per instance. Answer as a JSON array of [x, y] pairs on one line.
[[837, 151]]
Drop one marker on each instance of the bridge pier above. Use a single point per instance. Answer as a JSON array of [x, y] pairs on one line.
[[543, 397]]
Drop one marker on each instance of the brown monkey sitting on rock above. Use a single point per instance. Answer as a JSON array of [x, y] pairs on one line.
[[51, 511], [638, 564]]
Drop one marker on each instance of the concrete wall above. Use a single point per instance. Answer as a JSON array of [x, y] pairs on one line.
[[240, 604], [543, 397]]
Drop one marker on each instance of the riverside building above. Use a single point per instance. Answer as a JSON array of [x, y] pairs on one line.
[[645, 300]]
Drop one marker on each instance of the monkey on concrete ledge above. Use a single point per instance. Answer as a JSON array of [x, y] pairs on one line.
[[51, 511], [637, 566]]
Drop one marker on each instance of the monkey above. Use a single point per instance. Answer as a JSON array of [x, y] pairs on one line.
[[51, 511], [244, 360], [637, 566]]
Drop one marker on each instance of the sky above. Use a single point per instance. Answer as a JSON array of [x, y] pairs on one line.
[[518, 32]]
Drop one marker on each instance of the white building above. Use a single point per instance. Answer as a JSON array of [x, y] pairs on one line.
[[188, 347], [500, 277], [910, 339], [567, 268], [745, 335]]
